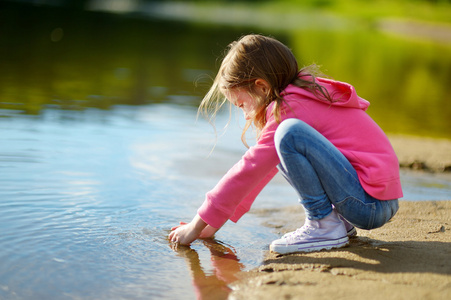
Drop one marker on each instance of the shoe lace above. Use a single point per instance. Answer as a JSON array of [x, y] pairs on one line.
[[300, 232]]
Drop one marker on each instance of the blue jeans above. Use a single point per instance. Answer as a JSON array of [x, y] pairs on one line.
[[324, 178]]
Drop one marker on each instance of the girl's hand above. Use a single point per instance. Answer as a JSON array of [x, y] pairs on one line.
[[207, 232], [186, 233], [183, 234]]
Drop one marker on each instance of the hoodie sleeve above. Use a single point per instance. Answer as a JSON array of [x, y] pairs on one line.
[[235, 192]]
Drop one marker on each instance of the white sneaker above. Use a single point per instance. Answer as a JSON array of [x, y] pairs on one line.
[[350, 229], [315, 235]]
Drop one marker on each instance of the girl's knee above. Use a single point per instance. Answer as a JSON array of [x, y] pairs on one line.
[[287, 128], [288, 124]]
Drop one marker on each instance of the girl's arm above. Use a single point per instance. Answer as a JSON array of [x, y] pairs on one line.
[[208, 232]]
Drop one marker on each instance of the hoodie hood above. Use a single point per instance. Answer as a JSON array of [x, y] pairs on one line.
[[343, 94]]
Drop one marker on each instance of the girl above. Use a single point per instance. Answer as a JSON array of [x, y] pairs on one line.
[[316, 132]]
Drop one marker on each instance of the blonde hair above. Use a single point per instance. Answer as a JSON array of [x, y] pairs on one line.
[[255, 57]]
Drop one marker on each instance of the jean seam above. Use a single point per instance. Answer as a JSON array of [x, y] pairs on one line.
[[372, 216]]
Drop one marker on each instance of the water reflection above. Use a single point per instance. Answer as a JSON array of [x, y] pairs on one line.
[[225, 263], [76, 59]]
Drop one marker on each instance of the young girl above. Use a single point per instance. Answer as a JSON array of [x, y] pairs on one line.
[[316, 132]]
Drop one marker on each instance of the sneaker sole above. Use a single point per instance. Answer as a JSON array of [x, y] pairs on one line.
[[351, 233], [310, 247]]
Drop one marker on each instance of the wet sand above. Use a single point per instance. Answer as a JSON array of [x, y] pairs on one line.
[[408, 258]]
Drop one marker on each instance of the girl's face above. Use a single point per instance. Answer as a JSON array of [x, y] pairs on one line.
[[242, 99]]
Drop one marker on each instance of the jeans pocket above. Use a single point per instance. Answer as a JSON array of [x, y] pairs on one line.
[[357, 212]]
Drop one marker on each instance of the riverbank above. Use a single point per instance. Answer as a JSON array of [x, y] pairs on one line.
[[408, 258], [422, 153]]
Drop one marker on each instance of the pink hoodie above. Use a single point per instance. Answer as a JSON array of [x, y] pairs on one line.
[[344, 123]]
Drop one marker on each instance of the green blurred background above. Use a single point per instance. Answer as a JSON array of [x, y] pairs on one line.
[[73, 55]]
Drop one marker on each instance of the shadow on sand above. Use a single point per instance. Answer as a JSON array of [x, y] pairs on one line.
[[373, 255]]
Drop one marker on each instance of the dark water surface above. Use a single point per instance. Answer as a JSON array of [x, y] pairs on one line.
[[100, 154]]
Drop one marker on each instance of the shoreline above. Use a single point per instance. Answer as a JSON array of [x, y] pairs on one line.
[[422, 153], [408, 258]]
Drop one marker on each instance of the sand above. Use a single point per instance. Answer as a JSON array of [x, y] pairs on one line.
[[408, 258]]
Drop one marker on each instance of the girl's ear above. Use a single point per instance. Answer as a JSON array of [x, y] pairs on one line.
[[262, 87]]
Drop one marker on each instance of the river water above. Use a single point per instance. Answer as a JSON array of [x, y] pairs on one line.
[[87, 200], [101, 154]]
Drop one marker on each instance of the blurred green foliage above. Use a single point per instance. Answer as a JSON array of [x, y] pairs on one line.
[[431, 10], [427, 10], [54, 57]]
